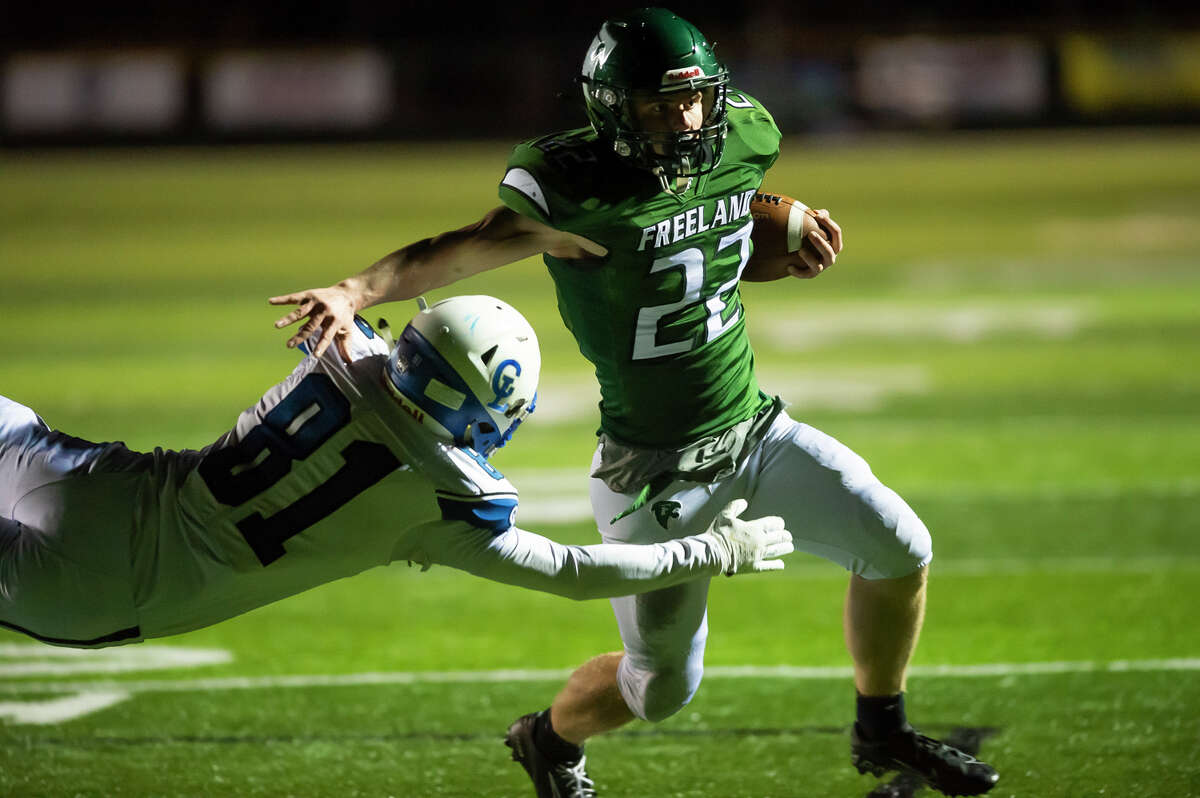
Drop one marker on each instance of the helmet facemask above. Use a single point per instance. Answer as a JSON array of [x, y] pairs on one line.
[[653, 53], [669, 155]]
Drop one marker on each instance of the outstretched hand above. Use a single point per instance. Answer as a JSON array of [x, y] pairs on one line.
[[329, 310], [751, 546]]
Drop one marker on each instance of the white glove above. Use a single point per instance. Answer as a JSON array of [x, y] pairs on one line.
[[749, 546]]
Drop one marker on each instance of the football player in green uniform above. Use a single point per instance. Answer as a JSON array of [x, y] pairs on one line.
[[644, 224]]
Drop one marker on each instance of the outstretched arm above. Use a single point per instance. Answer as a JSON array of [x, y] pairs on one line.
[[526, 559], [501, 237]]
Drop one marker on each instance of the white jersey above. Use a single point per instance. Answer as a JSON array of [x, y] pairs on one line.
[[257, 512], [262, 514]]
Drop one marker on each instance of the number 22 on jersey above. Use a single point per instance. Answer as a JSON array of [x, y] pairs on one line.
[[692, 261]]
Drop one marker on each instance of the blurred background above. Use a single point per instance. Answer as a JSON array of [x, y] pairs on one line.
[[211, 72], [1010, 339]]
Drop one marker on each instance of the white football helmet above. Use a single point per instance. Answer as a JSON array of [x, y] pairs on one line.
[[467, 368]]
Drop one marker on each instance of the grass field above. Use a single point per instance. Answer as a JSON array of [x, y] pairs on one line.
[[1011, 338]]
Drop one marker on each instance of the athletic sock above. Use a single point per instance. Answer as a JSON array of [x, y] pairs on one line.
[[881, 715], [550, 744]]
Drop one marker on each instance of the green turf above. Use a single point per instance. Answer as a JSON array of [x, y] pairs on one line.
[[766, 737], [1029, 302]]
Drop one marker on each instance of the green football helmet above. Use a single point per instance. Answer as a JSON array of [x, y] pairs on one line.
[[653, 51]]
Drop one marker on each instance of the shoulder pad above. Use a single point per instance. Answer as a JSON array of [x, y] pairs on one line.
[[484, 498], [546, 178], [738, 100], [522, 192], [753, 135]]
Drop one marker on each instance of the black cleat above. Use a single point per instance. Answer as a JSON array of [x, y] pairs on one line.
[[943, 767], [551, 779]]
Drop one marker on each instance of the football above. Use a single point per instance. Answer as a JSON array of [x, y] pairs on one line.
[[781, 228]]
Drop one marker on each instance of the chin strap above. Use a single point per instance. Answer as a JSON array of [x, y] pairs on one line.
[[665, 182]]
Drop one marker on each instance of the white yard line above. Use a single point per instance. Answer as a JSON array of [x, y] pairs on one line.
[[60, 710], [70, 700], [527, 675], [966, 320], [33, 659], [810, 567]]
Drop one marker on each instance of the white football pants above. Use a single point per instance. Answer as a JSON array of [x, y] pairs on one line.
[[831, 503], [57, 556]]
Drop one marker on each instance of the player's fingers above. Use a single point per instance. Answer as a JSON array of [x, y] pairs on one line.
[[323, 343], [315, 322], [305, 331], [285, 299], [735, 508], [832, 229], [294, 316], [780, 549], [777, 534], [342, 341], [771, 526], [329, 333], [811, 267], [823, 247]]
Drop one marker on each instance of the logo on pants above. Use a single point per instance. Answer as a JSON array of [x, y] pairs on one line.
[[664, 511]]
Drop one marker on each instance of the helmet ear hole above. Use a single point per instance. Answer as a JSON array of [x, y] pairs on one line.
[[487, 356], [486, 428], [515, 408]]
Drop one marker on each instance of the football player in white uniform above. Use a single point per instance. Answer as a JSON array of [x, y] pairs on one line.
[[100, 545]]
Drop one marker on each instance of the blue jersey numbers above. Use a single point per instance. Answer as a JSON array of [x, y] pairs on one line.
[[293, 430]]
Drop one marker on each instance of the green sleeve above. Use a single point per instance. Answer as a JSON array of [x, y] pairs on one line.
[[753, 135], [521, 189]]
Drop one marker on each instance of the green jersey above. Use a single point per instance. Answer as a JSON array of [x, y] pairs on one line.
[[660, 317]]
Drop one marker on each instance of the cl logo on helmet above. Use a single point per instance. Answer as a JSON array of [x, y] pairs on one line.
[[502, 383]]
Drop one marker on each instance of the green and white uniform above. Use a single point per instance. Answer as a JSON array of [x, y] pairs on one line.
[[100, 545], [684, 426], [661, 316]]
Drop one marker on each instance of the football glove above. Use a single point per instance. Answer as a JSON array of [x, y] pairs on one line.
[[749, 546]]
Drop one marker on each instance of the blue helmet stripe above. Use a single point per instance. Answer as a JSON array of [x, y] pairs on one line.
[[421, 364]]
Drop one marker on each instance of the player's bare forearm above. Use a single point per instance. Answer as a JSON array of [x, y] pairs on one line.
[[432, 263], [404, 274], [499, 238]]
